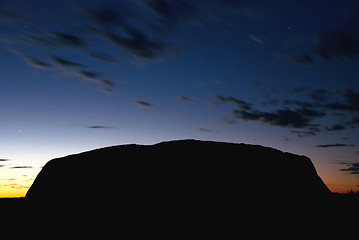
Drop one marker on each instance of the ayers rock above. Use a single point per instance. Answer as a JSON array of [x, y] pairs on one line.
[[180, 173]]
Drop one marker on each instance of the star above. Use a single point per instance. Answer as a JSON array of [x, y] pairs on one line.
[[290, 28]]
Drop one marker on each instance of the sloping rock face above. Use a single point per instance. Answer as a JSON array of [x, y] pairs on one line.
[[180, 174]]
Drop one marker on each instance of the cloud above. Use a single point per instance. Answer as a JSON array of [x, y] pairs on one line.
[[65, 63], [99, 127], [105, 85], [3, 160], [171, 13], [69, 40], [297, 118], [183, 99], [135, 25], [143, 104], [103, 57], [349, 106], [319, 95], [302, 59], [128, 26], [207, 130], [16, 167], [256, 39], [338, 43], [305, 116], [353, 168], [88, 75], [240, 103], [300, 103], [283, 117], [352, 100], [336, 127], [106, 17], [32, 61], [36, 62], [137, 44], [301, 133], [335, 145]]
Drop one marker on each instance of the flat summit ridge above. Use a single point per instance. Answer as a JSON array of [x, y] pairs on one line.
[[181, 171]]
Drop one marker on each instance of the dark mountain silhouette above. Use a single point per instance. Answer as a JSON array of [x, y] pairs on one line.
[[180, 174]]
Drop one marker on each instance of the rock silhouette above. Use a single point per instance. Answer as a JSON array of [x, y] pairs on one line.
[[180, 174]]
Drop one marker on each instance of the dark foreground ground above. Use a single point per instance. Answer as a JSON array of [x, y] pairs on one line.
[[350, 197]]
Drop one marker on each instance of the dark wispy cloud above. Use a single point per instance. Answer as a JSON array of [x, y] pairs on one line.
[[88, 75], [349, 107], [143, 104], [36, 62], [133, 37], [133, 27], [3, 160], [299, 59], [335, 145], [103, 57], [351, 102], [17, 167], [99, 127], [243, 105], [353, 168], [32, 61], [302, 59], [105, 16], [207, 130], [67, 39], [336, 127], [303, 116], [170, 14], [138, 45], [105, 85], [319, 95], [183, 99], [305, 133], [299, 118], [338, 43], [64, 62]]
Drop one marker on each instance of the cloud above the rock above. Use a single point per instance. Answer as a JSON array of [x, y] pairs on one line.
[[99, 127], [68, 39], [353, 168], [20, 167], [335, 145], [299, 118], [304, 116], [143, 104]]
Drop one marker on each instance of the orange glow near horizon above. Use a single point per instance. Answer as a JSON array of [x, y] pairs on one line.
[[15, 183], [16, 190], [13, 192]]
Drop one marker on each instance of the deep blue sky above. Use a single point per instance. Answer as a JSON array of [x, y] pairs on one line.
[[78, 75]]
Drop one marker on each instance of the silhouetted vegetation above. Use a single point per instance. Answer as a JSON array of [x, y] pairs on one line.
[[350, 195]]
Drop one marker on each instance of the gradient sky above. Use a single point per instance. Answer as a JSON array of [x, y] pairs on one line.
[[79, 75]]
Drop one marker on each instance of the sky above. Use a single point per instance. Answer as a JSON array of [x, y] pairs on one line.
[[76, 75]]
